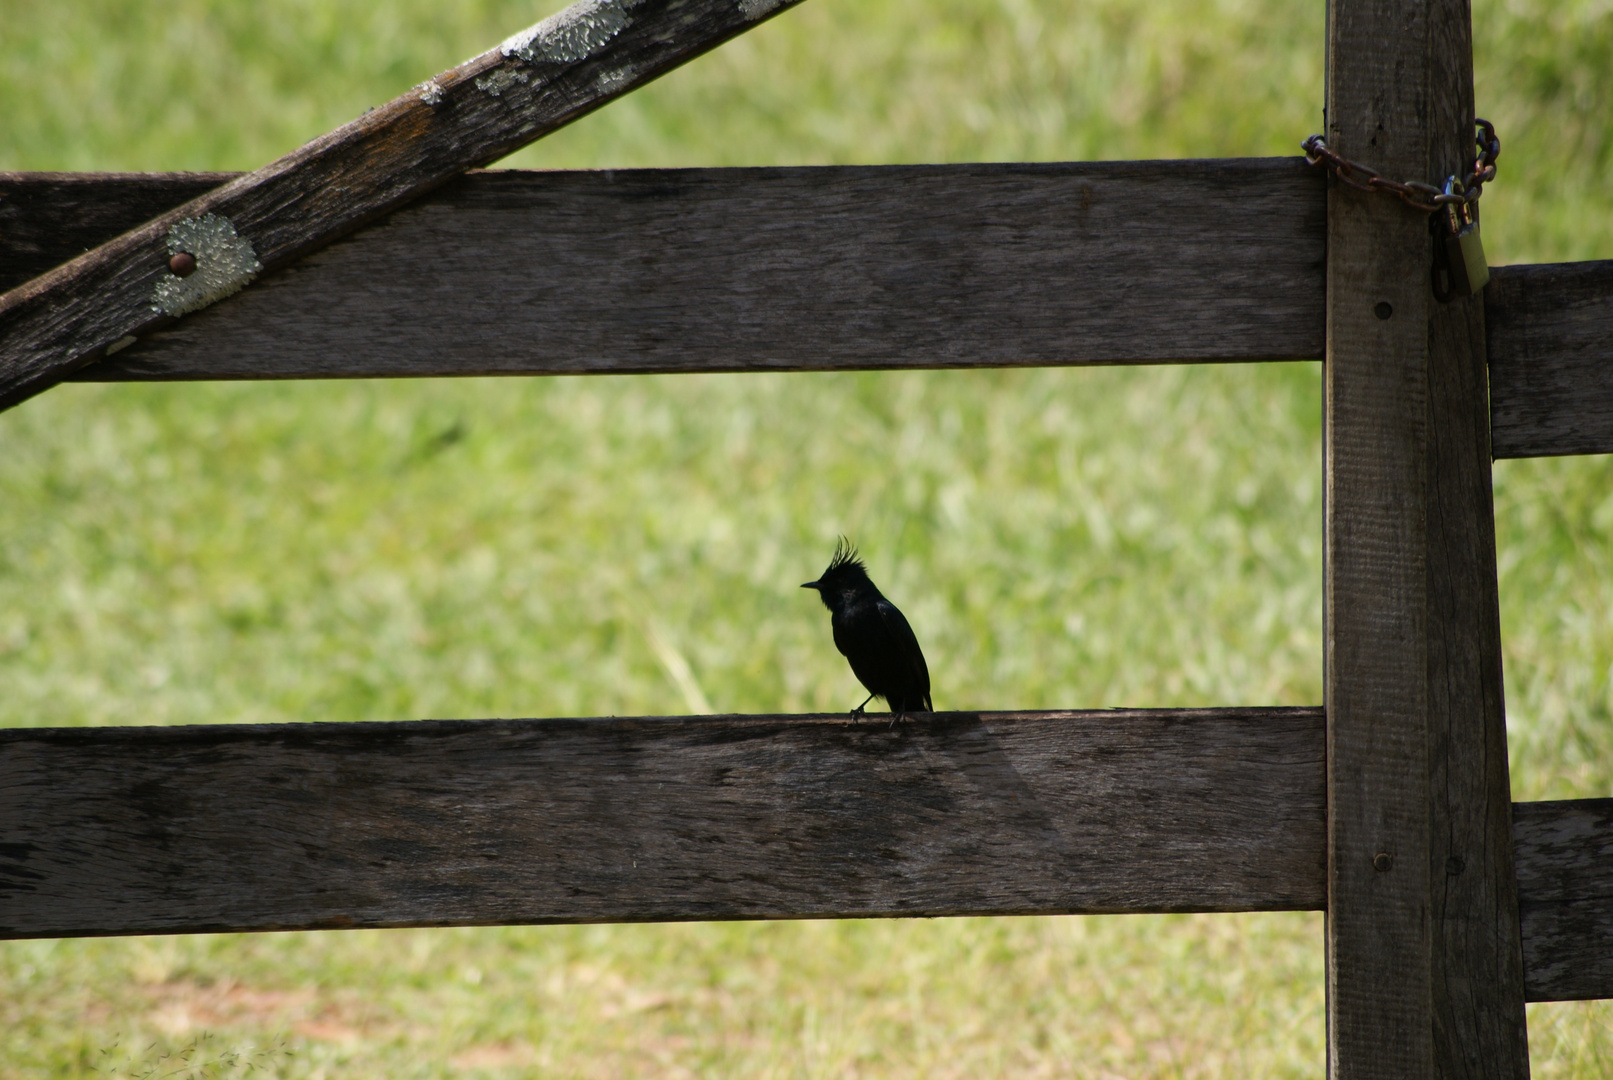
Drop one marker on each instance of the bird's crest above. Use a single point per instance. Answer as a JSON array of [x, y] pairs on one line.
[[845, 558]]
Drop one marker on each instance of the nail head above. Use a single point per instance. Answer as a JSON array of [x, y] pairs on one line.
[[1382, 861], [182, 264], [1383, 309]]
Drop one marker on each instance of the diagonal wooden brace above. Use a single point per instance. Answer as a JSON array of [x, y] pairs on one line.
[[539, 80]]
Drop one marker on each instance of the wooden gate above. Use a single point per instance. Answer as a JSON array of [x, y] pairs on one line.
[[1447, 905]]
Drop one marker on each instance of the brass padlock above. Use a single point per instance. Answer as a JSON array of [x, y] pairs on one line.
[[1464, 250]]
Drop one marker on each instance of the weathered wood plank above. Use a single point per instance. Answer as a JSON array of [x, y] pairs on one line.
[[561, 69], [234, 827], [1565, 895], [238, 827], [1551, 359], [1375, 598], [1476, 960], [769, 269], [1549, 327], [47, 219]]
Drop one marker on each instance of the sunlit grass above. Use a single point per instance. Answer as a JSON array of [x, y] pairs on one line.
[[356, 551], [1198, 996], [512, 548]]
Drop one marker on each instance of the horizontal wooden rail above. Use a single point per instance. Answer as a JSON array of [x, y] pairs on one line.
[[237, 827], [795, 269], [441, 823], [1551, 359], [1565, 897], [751, 270]]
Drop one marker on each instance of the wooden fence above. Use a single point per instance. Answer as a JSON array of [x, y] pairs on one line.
[[1448, 906]]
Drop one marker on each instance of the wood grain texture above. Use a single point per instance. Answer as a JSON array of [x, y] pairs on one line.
[[1375, 600], [235, 827], [1551, 359], [1549, 327], [780, 269], [478, 112], [1565, 894], [47, 219], [1476, 960]]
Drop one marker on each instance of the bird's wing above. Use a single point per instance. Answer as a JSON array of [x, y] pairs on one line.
[[907, 644], [862, 638]]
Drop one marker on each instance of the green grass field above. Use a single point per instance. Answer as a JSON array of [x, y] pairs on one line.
[[1059, 538]]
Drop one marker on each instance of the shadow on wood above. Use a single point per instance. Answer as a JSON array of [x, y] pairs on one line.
[[237, 827]]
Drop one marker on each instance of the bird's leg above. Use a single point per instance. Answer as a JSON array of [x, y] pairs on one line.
[[858, 711], [899, 713]]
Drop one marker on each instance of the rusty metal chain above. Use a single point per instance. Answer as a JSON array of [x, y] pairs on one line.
[[1426, 197]]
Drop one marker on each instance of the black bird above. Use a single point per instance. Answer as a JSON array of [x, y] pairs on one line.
[[873, 636]]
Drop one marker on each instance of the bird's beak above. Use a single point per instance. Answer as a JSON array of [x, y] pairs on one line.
[[810, 585]]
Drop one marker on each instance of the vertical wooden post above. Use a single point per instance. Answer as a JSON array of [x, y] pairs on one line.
[[1477, 953], [1375, 555], [1424, 976]]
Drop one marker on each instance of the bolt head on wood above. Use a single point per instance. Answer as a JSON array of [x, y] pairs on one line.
[[182, 264], [1382, 861]]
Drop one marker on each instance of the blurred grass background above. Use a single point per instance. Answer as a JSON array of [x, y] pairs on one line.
[[1064, 538]]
